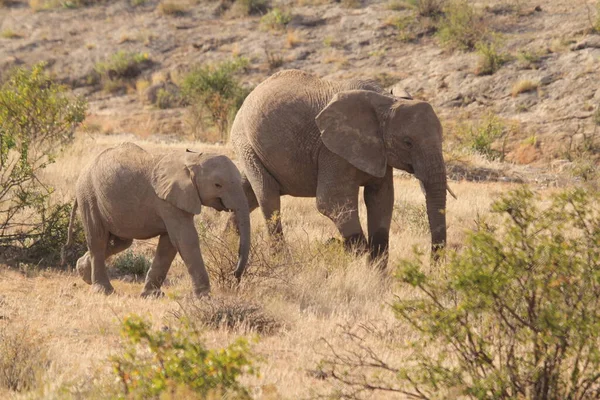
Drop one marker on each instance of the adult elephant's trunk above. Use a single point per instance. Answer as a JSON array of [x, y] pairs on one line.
[[434, 183], [239, 205]]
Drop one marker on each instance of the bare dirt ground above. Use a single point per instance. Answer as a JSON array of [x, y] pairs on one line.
[[318, 288]]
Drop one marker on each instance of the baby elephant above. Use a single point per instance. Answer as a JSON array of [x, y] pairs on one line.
[[127, 193]]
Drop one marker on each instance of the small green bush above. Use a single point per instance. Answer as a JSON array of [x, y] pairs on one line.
[[156, 363], [276, 19], [216, 91], [240, 8], [490, 60], [121, 67], [481, 136], [461, 26], [428, 8], [37, 117], [529, 59], [130, 263]]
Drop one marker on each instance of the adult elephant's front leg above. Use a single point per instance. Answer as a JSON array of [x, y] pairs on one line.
[[379, 199], [340, 204], [165, 253]]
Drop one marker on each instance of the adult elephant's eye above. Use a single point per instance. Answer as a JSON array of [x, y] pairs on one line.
[[407, 142], [218, 185]]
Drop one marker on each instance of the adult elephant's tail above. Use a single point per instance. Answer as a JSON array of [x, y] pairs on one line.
[[63, 253]]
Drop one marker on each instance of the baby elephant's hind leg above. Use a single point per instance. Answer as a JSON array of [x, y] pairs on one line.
[[165, 253], [84, 264]]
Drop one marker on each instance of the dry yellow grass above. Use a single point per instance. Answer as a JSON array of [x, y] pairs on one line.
[[311, 290], [523, 86]]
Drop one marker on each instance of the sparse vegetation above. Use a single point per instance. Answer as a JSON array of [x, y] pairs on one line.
[[597, 116], [461, 26], [121, 68], [490, 60], [10, 34], [274, 59], [523, 86], [480, 137], [215, 90], [172, 8], [529, 59], [155, 363], [239, 8], [276, 19], [428, 8]]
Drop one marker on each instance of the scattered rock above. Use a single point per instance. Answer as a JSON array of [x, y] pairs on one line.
[[592, 41]]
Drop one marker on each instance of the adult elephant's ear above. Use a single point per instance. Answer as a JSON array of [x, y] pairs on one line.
[[172, 181], [351, 127]]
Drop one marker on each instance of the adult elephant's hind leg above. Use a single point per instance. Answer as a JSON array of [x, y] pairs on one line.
[[165, 253], [267, 192]]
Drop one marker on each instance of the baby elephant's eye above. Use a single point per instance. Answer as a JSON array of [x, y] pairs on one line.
[[407, 142], [218, 185]]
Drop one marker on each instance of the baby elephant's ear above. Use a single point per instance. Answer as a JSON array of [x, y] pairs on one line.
[[173, 182]]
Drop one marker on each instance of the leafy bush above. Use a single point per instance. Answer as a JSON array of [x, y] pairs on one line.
[[518, 309], [215, 90], [162, 362], [490, 60], [461, 27], [22, 358], [529, 59], [276, 19], [171, 8], [129, 262], [36, 119]]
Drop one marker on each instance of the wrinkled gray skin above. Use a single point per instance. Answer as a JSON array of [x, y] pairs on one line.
[[126, 193], [302, 136]]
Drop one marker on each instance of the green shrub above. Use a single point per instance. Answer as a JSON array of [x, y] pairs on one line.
[[276, 19], [240, 8], [490, 60], [513, 315], [428, 8], [171, 8], [37, 117], [130, 263], [529, 59], [216, 91], [481, 136], [23, 358], [157, 363], [121, 67], [461, 27], [518, 310]]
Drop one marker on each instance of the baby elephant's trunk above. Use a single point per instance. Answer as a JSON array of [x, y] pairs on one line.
[[242, 216]]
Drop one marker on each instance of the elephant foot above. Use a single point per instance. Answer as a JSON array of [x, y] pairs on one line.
[[152, 294], [104, 289], [356, 244], [202, 293], [84, 269]]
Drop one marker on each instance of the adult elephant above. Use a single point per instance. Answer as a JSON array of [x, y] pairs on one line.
[[299, 135], [127, 193]]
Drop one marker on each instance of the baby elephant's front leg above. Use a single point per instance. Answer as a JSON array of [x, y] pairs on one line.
[[185, 238], [165, 253]]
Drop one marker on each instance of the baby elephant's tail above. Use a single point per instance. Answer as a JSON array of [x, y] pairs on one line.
[[63, 253]]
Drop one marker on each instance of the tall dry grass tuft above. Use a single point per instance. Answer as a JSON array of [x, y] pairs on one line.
[[23, 357]]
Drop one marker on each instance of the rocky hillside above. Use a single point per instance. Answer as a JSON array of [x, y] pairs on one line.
[[537, 70]]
